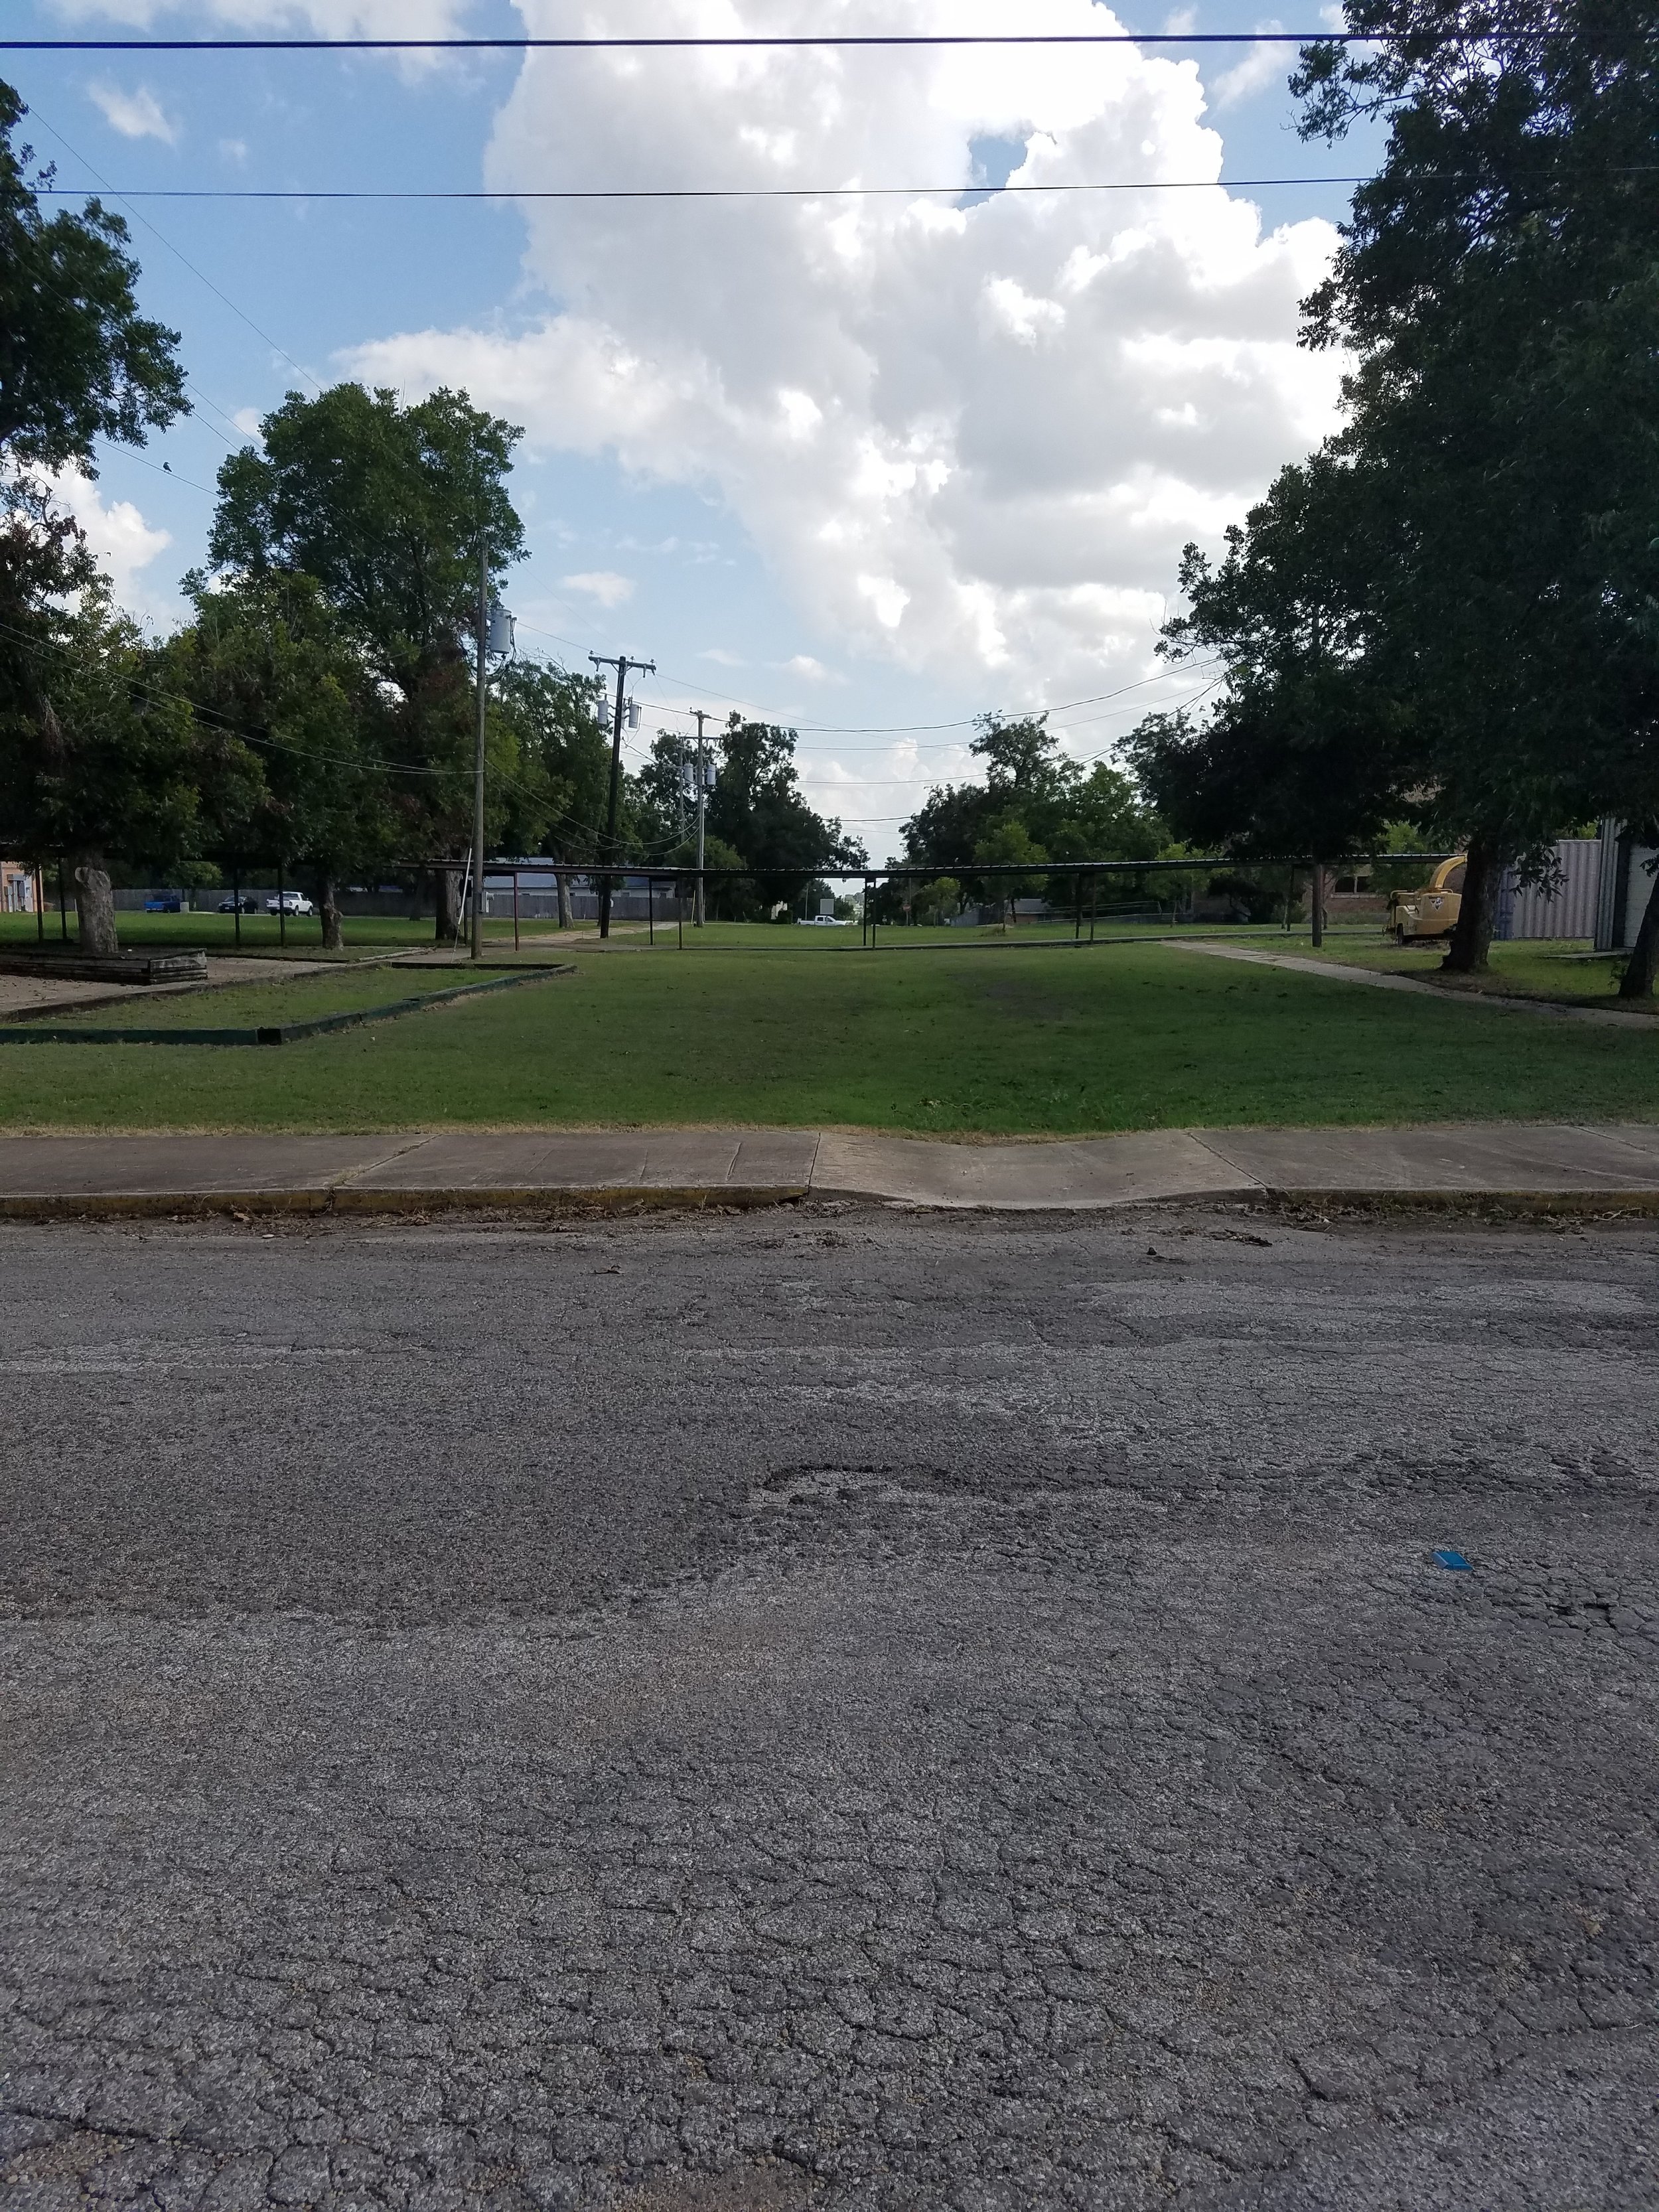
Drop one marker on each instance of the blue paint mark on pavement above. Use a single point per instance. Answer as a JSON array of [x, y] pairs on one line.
[[1455, 1561]]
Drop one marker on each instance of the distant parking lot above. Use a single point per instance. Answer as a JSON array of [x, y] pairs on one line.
[[829, 1709]]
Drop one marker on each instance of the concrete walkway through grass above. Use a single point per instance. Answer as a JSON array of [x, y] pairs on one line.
[[550, 1168], [1379, 979]]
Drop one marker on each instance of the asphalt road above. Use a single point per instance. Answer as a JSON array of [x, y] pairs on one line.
[[830, 1710]]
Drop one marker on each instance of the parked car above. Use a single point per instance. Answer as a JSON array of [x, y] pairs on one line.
[[165, 902], [248, 904], [289, 903], [1433, 911]]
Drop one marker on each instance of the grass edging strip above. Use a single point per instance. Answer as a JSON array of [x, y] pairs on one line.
[[277, 1033]]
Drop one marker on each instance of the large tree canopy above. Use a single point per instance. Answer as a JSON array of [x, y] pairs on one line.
[[77, 361], [388, 508], [1304, 756], [758, 816], [1499, 282], [1034, 804], [1449, 611], [265, 664], [87, 771]]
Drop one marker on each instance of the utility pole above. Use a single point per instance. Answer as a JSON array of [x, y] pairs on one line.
[[478, 755], [621, 663], [703, 804]]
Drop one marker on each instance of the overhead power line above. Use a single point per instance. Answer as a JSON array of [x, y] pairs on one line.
[[700, 192], [176, 254], [680, 43]]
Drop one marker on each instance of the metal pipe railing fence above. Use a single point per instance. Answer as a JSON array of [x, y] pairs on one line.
[[1076, 892]]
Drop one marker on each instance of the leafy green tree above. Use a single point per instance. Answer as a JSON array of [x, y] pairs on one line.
[[110, 763], [1497, 284], [388, 507], [1034, 799], [1305, 756], [936, 902], [268, 659], [554, 802], [77, 362], [1007, 844], [757, 809]]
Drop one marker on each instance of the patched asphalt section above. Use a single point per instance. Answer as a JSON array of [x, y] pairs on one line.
[[830, 1711]]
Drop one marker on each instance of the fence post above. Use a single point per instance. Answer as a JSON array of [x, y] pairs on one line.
[[1076, 927], [236, 893], [515, 909], [63, 902]]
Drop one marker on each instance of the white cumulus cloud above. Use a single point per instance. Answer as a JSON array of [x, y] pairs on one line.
[[970, 440], [134, 114], [1260, 67], [122, 542], [603, 585], [323, 19]]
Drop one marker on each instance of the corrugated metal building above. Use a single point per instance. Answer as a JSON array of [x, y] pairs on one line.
[[1626, 884], [1599, 892], [1566, 908]]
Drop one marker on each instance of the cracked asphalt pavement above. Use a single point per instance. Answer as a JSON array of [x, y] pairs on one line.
[[833, 1709]]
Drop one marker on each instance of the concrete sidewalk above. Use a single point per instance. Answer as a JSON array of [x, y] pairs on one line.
[[146, 1175], [1381, 979]]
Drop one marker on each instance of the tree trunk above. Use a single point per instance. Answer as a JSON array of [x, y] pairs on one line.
[[1637, 982], [95, 903], [562, 884], [328, 905], [449, 915], [1471, 938]]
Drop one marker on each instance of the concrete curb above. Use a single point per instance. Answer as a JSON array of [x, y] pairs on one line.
[[551, 1204], [151, 1205]]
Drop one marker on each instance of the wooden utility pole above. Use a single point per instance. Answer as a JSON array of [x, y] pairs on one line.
[[702, 714], [621, 663], [478, 754]]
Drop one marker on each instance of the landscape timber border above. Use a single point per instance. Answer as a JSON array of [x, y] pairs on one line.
[[38, 1032]]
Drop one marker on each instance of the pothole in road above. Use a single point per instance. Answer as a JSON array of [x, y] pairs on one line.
[[812, 1484], [773, 2187]]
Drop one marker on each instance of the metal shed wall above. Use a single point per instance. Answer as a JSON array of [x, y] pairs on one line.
[[1568, 910]]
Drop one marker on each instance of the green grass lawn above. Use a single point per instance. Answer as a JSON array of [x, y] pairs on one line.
[[991, 1040], [250, 1006]]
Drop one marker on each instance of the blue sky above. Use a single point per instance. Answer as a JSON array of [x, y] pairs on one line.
[[859, 468]]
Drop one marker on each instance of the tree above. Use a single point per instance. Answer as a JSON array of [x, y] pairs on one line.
[[110, 763], [388, 507], [1009, 843], [756, 808], [1497, 281], [556, 802], [1307, 754], [1035, 800], [267, 659], [77, 362]]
